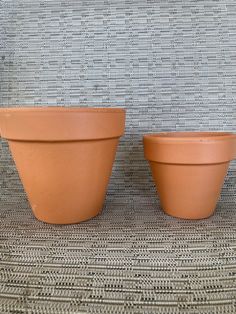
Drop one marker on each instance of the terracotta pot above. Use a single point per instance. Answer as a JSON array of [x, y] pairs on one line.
[[189, 169], [64, 157]]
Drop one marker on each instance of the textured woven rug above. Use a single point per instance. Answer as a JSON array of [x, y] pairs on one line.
[[130, 259]]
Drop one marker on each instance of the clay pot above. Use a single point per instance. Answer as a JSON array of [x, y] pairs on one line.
[[189, 169], [64, 157]]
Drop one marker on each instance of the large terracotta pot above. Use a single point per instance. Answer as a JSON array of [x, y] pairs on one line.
[[64, 157], [189, 169]]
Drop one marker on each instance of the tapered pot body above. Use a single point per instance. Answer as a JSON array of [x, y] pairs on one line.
[[64, 157], [189, 170]]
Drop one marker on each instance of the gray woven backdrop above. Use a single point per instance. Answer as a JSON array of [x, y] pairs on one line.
[[172, 65]]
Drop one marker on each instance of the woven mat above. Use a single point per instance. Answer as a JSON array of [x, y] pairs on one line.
[[130, 259]]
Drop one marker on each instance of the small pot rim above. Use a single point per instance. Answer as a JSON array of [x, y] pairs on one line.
[[190, 147], [187, 137]]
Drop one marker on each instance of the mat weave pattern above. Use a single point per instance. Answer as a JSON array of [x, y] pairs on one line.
[[130, 259]]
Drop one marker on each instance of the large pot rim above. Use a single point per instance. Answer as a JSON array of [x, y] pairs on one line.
[[61, 123], [62, 109], [190, 147]]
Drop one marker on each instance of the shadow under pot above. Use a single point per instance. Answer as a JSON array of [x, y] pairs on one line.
[[189, 170], [64, 157]]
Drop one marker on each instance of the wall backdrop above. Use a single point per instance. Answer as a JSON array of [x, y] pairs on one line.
[[171, 64]]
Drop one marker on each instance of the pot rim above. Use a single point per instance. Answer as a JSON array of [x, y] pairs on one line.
[[62, 109], [190, 147], [61, 123], [205, 136]]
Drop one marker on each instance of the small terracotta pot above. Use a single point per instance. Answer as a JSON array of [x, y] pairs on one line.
[[189, 169], [64, 157]]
